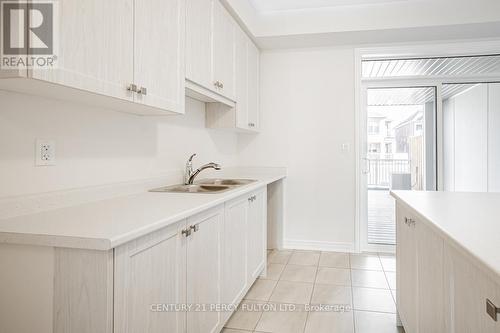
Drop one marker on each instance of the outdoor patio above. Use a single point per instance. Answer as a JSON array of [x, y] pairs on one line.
[[381, 217]]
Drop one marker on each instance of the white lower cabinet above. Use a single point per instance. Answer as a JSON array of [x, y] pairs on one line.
[[439, 289], [430, 280], [467, 288], [235, 251], [406, 275], [257, 233], [149, 271], [208, 260], [204, 270]]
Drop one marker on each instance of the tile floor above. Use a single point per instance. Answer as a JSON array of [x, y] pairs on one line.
[[363, 284]]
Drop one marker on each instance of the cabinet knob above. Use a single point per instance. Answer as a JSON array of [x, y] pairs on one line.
[[142, 91], [132, 87], [251, 125], [186, 232], [492, 310], [195, 227], [217, 84]]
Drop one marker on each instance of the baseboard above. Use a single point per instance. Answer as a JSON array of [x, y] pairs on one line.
[[319, 246]]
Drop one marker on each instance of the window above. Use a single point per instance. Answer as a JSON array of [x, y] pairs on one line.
[[373, 127], [374, 148], [388, 148]]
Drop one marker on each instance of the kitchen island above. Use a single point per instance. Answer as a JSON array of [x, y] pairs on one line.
[[448, 261]]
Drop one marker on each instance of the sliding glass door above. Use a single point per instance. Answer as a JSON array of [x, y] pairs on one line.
[[400, 154]]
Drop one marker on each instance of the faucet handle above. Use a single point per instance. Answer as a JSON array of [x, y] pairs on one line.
[[191, 158]]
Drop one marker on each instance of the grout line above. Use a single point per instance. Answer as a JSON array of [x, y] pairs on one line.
[[387, 280], [352, 296], [312, 293]]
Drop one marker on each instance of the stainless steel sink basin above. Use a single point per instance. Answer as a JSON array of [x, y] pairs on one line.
[[196, 188], [227, 182], [206, 186]]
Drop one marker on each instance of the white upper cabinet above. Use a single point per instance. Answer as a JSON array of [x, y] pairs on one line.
[[95, 47], [241, 74], [210, 34], [253, 86], [218, 62], [244, 116], [223, 51], [120, 54], [159, 55], [199, 42]]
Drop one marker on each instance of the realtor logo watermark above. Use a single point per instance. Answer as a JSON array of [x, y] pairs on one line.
[[29, 34]]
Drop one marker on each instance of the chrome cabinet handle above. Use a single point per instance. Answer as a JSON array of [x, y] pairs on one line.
[[252, 198], [251, 125], [132, 87], [195, 227], [409, 222], [492, 310], [186, 232], [142, 91]]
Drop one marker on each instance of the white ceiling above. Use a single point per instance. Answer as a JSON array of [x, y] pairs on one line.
[[314, 23], [284, 5]]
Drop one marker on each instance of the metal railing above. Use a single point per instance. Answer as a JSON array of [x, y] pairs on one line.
[[380, 171]]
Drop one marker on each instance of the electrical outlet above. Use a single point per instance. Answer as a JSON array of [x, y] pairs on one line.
[[45, 152]]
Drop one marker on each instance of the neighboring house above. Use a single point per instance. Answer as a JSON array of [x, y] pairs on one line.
[[411, 127], [381, 141]]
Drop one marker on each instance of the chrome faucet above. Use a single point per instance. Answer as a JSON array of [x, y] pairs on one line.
[[190, 175]]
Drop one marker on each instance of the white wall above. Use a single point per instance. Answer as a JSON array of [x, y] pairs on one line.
[[472, 140], [307, 103], [97, 147]]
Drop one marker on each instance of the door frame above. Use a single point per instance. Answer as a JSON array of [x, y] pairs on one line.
[[467, 48]]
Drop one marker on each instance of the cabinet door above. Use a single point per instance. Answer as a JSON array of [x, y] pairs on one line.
[[199, 42], [406, 274], [241, 75], [159, 57], [253, 86], [235, 250], [95, 50], [223, 50], [257, 233], [430, 280], [149, 271], [466, 289], [204, 271]]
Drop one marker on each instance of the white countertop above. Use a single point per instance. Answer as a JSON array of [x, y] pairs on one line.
[[103, 225], [470, 220]]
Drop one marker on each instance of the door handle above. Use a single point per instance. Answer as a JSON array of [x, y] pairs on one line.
[[367, 168]]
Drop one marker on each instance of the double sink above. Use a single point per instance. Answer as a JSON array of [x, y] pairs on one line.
[[206, 186]]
